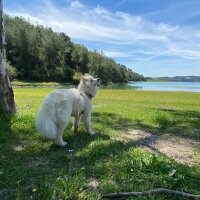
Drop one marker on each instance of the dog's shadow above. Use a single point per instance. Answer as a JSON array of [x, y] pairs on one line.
[[80, 139]]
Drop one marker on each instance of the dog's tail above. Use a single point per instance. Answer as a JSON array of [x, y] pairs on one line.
[[45, 126]]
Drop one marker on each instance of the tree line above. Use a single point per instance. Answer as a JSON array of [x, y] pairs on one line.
[[37, 53]]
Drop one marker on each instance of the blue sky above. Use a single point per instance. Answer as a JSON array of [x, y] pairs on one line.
[[152, 37]]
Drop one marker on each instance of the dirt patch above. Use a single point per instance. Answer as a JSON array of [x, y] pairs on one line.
[[93, 184], [177, 148]]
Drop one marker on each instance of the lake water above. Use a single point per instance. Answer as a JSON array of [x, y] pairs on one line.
[[167, 86]]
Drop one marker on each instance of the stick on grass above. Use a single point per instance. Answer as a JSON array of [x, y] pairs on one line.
[[158, 190]]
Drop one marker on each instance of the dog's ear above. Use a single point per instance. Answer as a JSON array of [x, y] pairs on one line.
[[84, 79]]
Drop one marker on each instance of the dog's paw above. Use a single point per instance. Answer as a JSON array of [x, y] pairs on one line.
[[61, 144], [92, 133]]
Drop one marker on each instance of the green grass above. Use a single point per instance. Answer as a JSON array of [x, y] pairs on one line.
[[33, 168]]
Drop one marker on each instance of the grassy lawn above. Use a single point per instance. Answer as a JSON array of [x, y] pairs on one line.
[[33, 168]]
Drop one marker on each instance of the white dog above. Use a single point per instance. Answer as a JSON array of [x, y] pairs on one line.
[[53, 116]]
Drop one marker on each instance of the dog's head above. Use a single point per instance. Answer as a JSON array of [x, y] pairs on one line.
[[90, 81], [89, 84]]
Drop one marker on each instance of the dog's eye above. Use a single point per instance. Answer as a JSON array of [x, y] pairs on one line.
[[91, 80]]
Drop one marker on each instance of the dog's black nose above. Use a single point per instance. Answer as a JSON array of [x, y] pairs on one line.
[[98, 79]]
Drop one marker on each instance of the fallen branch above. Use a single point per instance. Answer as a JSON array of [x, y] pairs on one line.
[[158, 190]]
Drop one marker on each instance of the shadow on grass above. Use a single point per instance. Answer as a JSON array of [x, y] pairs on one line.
[[119, 164], [34, 163], [30, 163], [184, 124], [5, 128]]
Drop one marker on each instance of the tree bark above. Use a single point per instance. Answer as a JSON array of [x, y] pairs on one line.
[[7, 103]]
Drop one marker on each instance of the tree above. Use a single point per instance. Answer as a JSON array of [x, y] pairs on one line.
[[7, 104], [40, 54], [80, 58]]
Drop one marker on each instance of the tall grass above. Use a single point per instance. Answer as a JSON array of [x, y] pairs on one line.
[[33, 168]]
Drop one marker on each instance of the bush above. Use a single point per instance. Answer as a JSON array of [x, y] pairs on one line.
[[12, 72]]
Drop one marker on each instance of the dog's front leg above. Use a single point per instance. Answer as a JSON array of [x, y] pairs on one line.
[[87, 123]]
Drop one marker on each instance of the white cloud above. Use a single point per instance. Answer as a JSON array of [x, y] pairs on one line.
[[121, 2], [100, 10], [76, 4], [118, 54], [177, 11], [123, 35], [97, 24]]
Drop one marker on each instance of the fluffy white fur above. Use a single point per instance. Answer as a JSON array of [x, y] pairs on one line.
[[53, 116]]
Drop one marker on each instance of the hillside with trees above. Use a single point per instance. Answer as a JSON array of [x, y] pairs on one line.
[[37, 53]]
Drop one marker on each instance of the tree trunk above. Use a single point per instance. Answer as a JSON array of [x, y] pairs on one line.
[[7, 103]]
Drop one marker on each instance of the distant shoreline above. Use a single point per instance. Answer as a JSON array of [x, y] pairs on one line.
[[174, 79]]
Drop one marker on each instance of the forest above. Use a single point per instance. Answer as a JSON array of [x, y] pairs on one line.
[[37, 53]]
